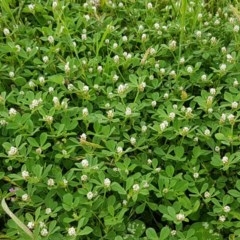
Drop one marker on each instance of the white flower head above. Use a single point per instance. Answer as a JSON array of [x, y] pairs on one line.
[[11, 74], [107, 182], [44, 232], [180, 217], [12, 112], [25, 174], [6, 31], [50, 182], [85, 163], [30, 225], [84, 178], [50, 39], [226, 209], [128, 111], [207, 194], [12, 151], [222, 218], [25, 197], [72, 232], [48, 211], [31, 7], [225, 160], [119, 150], [133, 140], [90, 195], [144, 128], [136, 187], [45, 59], [85, 112]]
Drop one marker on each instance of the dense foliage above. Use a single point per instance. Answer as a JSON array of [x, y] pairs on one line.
[[119, 120]]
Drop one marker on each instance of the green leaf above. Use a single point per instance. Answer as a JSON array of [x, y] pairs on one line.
[[165, 232], [118, 188], [59, 79], [151, 234], [43, 138], [85, 231]]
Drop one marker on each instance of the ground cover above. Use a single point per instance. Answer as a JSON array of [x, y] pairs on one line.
[[119, 120]]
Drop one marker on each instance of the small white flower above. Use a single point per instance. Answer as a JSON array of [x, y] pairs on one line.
[[65, 182], [199, 16], [172, 116], [198, 34], [235, 83], [136, 187], [146, 184], [119, 150], [41, 79], [162, 71], [196, 175], [234, 105], [12, 112], [158, 169], [204, 77], [153, 103], [116, 59], [115, 45], [166, 95], [207, 132], [149, 161], [180, 217], [30, 225], [70, 87], [225, 160], [124, 202], [236, 28], [144, 128], [85, 88], [85, 163], [31, 7], [185, 131], [149, 5], [195, 139], [110, 114], [83, 137], [172, 45], [223, 49], [84, 36], [115, 77], [144, 37], [72, 232], [217, 149], [207, 194], [54, 4], [90, 195], [190, 69], [125, 38], [99, 68], [12, 151], [84, 178], [45, 59], [67, 68], [213, 91], [107, 182], [3, 122], [48, 211], [85, 112], [6, 31], [182, 60], [11, 74], [25, 174], [128, 111], [25, 197], [141, 86], [163, 125], [173, 232], [231, 118], [44, 232], [226, 209], [50, 182], [222, 218], [48, 119], [173, 74], [50, 89], [140, 28], [50, 39], [223, 67], [156, 26]]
